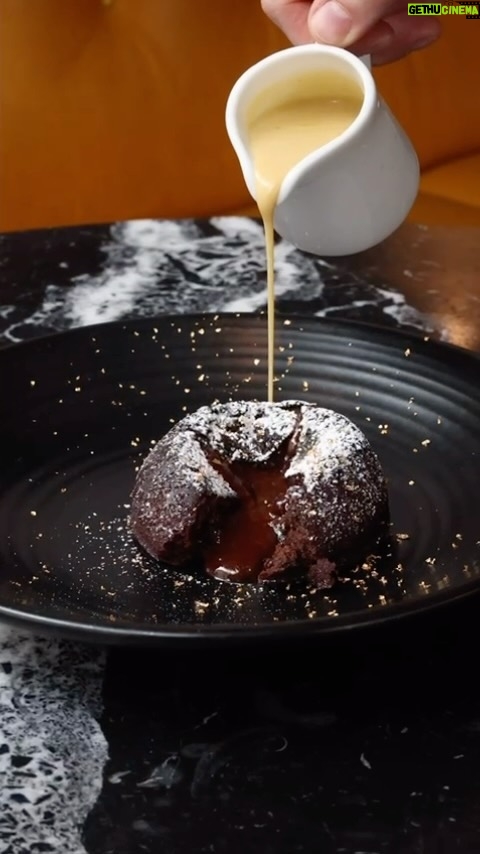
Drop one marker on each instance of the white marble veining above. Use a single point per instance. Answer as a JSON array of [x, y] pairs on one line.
[[153, 267], [52, 749]]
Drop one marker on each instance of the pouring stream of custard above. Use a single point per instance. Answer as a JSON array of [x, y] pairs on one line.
[[285, 124]]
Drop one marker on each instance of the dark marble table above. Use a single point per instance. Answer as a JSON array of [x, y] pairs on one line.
[[359, 745]]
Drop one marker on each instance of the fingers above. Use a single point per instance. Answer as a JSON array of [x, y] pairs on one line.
[[381, 28], [343, 23], [396, 36], [407, 37]]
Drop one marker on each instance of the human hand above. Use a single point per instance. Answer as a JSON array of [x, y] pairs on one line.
[[381, 28]]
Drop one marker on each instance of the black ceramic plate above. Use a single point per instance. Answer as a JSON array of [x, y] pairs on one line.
[[80, 410]]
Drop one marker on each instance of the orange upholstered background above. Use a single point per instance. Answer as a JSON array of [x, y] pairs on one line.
[[115, 110]]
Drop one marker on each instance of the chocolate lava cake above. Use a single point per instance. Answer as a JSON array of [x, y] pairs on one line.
[[261, 491]]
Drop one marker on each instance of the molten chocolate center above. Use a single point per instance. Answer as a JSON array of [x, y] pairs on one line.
[[245, 537]]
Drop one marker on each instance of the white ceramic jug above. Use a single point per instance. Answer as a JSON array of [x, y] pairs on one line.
[[352, 192]]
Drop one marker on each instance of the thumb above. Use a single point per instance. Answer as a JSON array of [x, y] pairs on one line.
[[342, 22]]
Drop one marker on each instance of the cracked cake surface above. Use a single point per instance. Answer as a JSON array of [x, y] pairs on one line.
[[256, 491]]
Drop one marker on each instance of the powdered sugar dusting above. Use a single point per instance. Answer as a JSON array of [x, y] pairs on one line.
[[339, 488], [326, 442], [244, 432], [183, 447], [178, 471]]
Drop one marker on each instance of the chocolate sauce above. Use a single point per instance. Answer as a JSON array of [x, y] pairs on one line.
[[246, 537]]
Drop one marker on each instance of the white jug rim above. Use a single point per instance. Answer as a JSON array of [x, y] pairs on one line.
[[233, 112]]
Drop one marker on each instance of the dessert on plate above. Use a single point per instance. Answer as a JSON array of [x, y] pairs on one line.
[[260, 491]]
